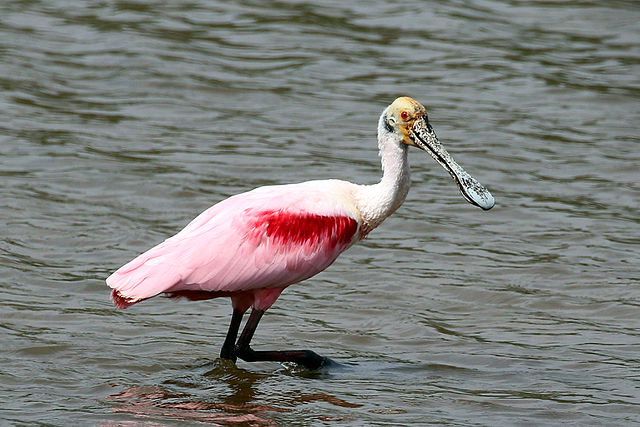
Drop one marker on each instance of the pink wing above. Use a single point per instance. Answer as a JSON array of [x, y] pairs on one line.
[[268, 237]]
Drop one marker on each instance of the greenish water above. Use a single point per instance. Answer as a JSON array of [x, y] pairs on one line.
[[123, 120]]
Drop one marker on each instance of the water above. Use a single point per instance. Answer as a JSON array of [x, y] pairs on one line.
[[123, 120]]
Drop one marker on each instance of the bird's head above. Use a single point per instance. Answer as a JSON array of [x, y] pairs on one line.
[[407, 120]]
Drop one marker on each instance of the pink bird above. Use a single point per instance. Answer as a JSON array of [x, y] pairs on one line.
[[252, 246]]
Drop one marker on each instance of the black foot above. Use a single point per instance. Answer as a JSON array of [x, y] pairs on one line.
[[329, 363], [306, 358], [228, 354]]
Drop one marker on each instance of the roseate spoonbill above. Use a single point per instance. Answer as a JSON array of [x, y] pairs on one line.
[[251, 246]]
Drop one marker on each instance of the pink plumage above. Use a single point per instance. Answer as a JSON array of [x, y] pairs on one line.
[[250, 247], [267, 238]]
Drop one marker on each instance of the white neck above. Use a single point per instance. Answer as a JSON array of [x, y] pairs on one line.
[[376, 202]]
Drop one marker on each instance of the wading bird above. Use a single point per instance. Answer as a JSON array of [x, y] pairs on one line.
[[252, 246]]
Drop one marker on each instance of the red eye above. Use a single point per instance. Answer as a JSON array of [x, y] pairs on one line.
[[404, 115]]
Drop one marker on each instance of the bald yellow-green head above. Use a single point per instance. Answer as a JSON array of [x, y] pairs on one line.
[[402, 115], [408, 121]]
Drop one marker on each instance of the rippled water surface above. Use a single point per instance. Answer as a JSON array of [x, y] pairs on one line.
[[122, 120]]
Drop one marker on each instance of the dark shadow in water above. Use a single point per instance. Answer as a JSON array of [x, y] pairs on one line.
[[237, 403], [235, 407]]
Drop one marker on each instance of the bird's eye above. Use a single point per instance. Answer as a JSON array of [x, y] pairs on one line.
[[404, 115]]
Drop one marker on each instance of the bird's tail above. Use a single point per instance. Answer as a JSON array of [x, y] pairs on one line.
[[121, 301], [148, 275]]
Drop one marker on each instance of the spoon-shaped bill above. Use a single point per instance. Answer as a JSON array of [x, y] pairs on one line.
[[425, 138]]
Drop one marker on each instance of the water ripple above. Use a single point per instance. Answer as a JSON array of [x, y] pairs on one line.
[[123, 120]]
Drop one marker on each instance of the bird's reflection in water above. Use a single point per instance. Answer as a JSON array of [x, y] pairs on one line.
[[234, 407], [238, 405]]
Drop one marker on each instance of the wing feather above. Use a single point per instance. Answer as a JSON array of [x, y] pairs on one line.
[[268, 237]]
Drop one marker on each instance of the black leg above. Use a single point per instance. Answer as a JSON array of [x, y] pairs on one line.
[[306, 358], [228, 348]]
